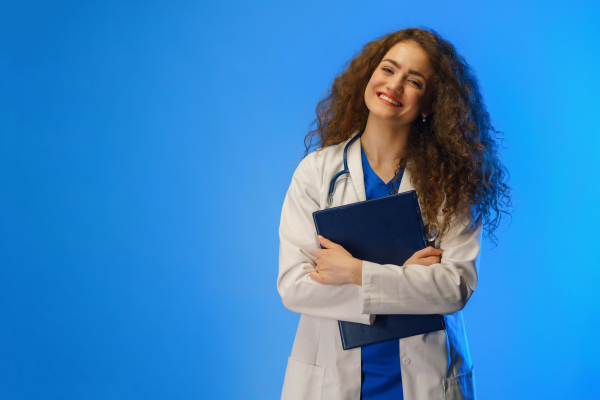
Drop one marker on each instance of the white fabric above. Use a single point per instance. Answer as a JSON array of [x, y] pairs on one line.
[[435, 365]]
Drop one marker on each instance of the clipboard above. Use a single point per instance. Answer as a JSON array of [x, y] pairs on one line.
[[386, 230]]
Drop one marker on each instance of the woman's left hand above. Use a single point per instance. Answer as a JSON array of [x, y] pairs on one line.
[[335, 266]]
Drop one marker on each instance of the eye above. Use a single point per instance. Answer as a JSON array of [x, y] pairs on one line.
[[387, 69], [416, 83]]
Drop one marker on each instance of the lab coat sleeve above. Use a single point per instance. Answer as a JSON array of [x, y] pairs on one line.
[[297, 245], [442, 288]]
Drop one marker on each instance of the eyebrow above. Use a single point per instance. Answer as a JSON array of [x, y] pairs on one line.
[[410, 71]]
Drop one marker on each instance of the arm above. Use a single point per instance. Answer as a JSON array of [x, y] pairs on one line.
[[298, 242], [442, 288]]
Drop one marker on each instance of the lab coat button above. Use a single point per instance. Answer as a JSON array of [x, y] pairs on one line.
[[405, 360], [392, 192]]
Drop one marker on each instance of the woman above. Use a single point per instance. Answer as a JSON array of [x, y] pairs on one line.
[[423, 125]]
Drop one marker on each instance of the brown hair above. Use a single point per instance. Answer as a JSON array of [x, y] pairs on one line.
[[453, 156]]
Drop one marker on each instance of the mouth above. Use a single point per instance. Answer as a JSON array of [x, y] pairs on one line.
[[389, 99]]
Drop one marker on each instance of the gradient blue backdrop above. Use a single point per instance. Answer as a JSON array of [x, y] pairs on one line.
[[145, 151]]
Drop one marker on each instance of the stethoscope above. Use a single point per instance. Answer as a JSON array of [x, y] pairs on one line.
[[432, 229], [342, 172]]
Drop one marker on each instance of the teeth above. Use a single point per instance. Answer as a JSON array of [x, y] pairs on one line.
[[384, 97]]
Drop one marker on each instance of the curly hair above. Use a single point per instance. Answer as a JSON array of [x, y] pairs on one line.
[[452, 157]]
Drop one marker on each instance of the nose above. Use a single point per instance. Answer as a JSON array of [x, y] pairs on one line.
[[396, 86]]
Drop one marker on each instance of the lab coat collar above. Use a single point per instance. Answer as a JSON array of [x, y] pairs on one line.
[[405, 184], [356, 169]]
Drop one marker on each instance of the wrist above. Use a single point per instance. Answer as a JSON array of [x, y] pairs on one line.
[[358, 272]]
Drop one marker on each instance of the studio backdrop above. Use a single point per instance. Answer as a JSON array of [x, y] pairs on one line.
[[145, 152]]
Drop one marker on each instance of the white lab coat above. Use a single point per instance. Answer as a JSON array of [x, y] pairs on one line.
[[434, 366]]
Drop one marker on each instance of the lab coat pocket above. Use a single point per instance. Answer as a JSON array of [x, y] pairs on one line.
[[460, 387], [302, 381]]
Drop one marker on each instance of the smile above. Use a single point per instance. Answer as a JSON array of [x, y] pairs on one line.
[[390, 100]]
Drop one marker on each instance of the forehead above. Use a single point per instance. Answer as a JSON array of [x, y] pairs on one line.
[[410, 55]]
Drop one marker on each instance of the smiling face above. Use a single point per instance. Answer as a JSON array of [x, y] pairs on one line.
[[400, 88]]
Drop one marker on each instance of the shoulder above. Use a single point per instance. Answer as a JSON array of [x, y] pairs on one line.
[[307, 168], [332, 155], [320, 161]]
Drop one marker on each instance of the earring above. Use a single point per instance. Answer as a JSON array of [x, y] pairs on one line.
[[424, 119]]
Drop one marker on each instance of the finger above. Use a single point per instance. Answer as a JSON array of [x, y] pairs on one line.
[[428, 251], [427, 261], [314, 275], [432, 250], [328, 244]]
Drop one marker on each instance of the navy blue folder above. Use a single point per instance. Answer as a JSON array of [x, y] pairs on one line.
[[386, 230]]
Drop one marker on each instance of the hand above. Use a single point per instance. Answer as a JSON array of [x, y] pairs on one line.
[[335, 266], [426, 257]]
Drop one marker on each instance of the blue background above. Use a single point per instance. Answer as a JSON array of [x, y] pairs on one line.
[[145, 151]]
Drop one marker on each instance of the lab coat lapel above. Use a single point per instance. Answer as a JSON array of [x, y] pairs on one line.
[[356, 169], [405, 184]]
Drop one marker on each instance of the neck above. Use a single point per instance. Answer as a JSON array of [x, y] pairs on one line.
[[383, 144]]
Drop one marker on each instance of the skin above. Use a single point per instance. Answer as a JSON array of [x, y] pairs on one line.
[[404, 75]]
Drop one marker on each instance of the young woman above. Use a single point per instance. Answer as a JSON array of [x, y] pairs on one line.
[[409, 110]]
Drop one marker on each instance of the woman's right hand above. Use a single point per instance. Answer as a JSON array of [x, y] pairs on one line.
[[426, 257]]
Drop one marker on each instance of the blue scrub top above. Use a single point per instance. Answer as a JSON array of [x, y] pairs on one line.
[[381, 377]]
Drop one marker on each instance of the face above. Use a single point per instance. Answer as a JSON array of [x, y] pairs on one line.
[[399, 90]]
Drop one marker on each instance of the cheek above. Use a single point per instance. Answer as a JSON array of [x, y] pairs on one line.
[[374, 81], [370, 86], [369, 92], [417, 97]]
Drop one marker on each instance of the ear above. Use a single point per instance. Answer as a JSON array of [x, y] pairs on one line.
[[428, 105], [427, 111]]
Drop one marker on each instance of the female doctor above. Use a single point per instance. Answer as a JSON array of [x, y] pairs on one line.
[[406, 114]]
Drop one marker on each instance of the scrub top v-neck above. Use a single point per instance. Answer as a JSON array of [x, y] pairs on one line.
[[381, 376]]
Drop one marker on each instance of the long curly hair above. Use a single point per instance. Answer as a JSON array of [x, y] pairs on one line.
[[452, 157]]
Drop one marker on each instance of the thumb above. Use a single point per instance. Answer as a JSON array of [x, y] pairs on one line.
[[328, 244], [429, 251]]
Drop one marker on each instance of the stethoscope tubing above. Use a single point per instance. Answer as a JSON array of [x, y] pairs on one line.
[[342, 172]]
